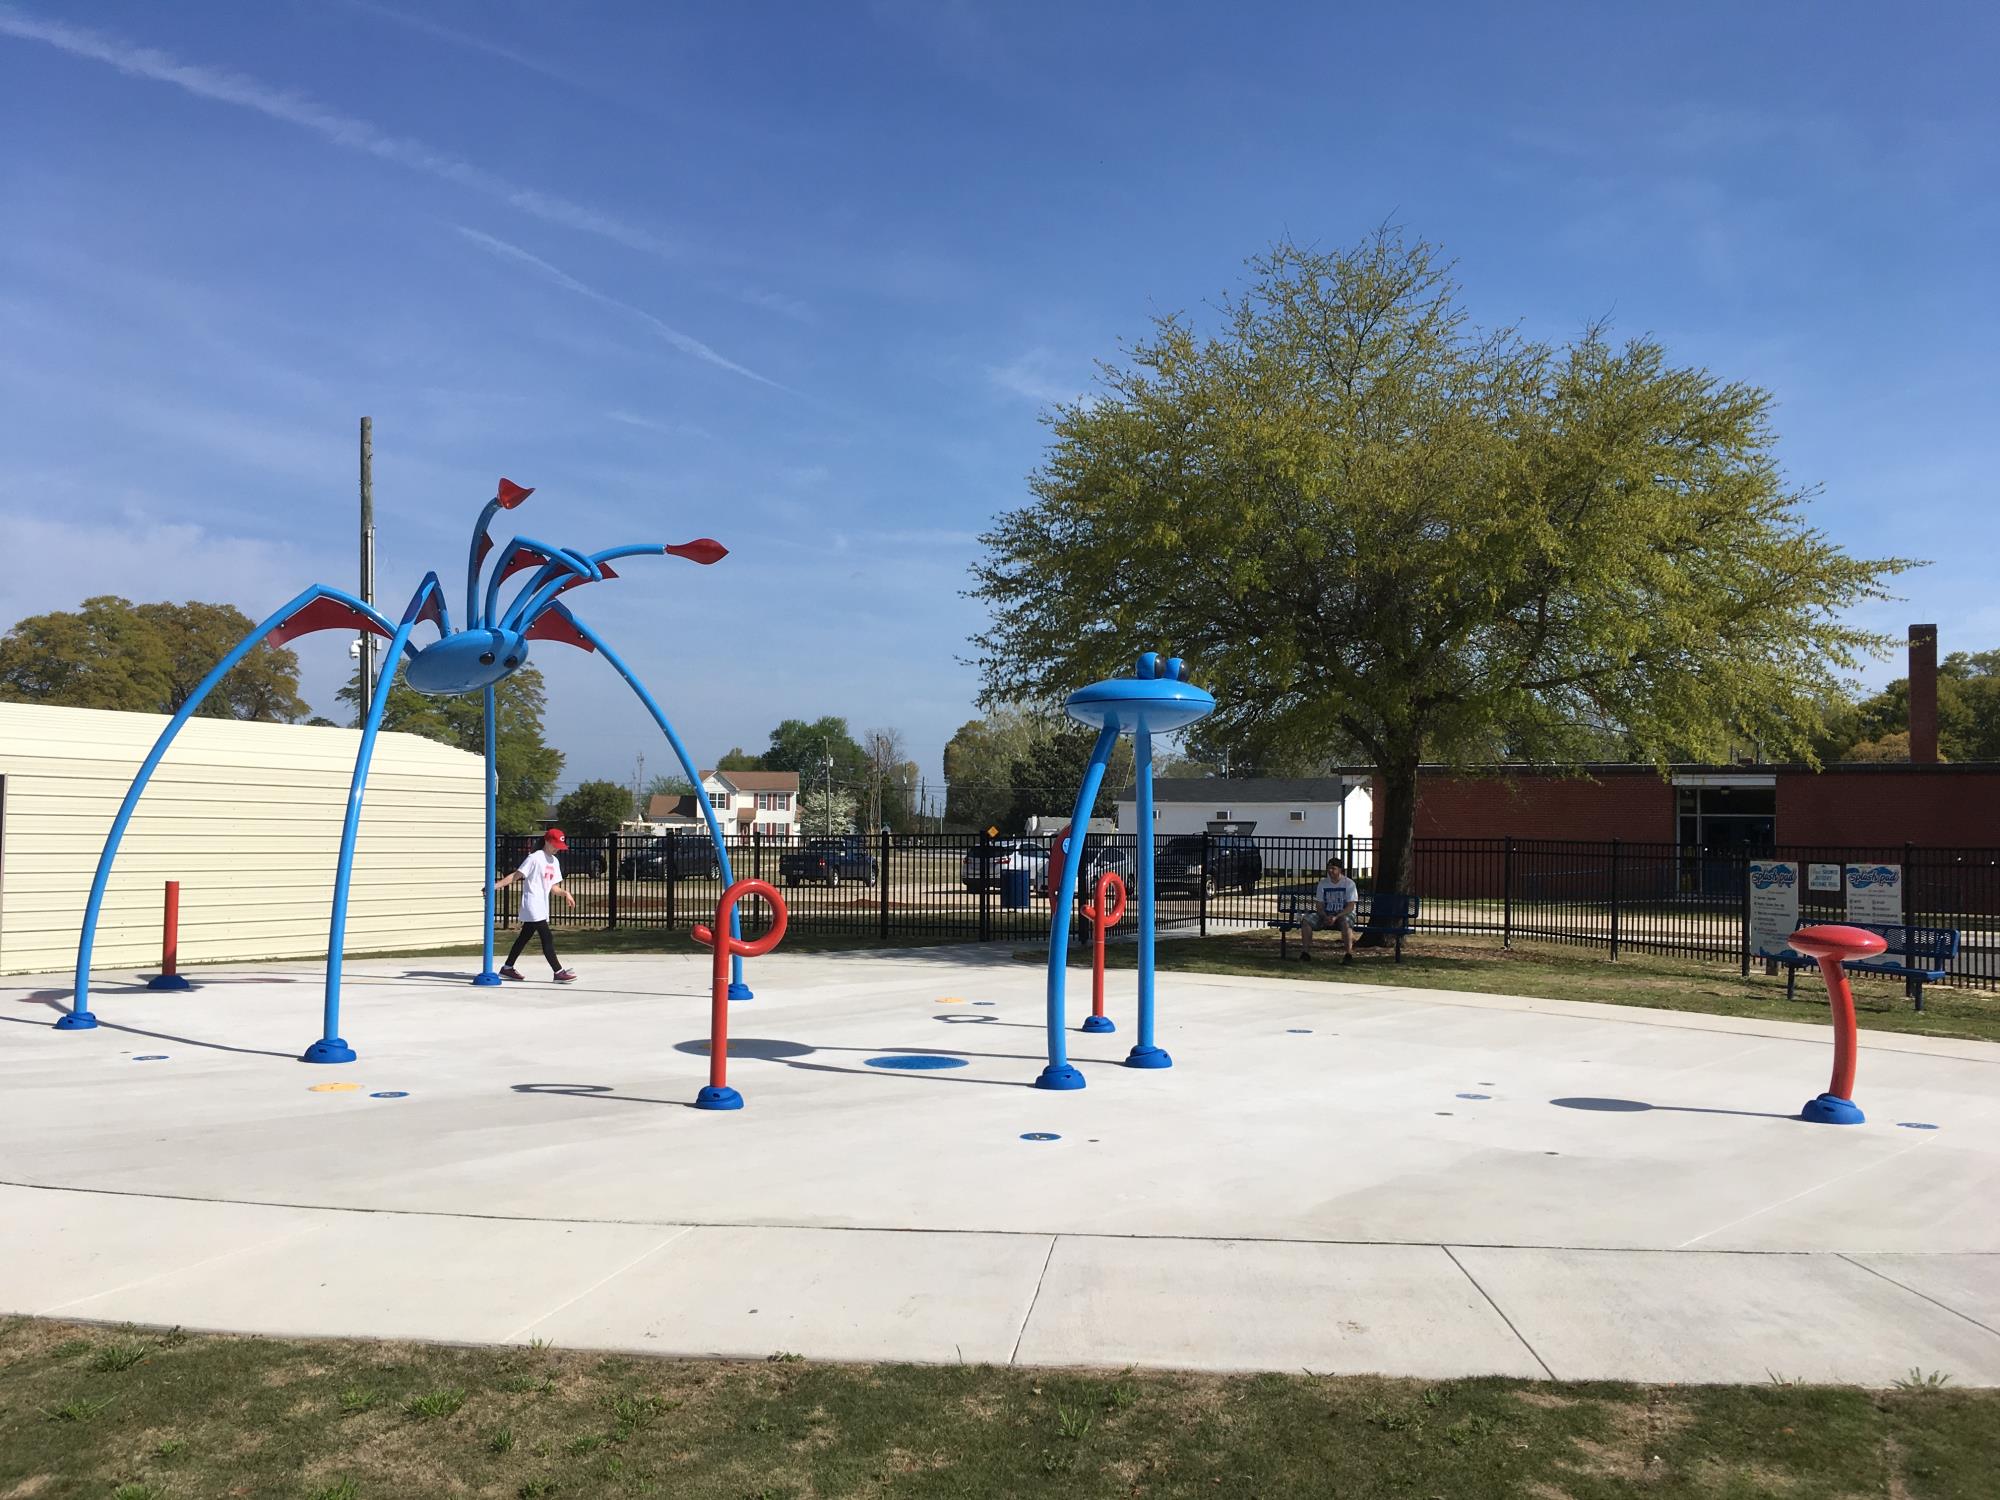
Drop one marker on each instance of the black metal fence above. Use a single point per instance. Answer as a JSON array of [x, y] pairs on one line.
[[1613, 896]]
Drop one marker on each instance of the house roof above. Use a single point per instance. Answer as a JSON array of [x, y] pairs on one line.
[[756, 781], [667, 805], [1221, 791]]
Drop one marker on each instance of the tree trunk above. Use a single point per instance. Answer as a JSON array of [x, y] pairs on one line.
[[1396, 844]]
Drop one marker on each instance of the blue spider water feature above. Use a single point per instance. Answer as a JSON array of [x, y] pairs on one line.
[[492, 644]]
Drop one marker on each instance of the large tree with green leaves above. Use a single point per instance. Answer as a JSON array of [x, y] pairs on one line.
[[594, 808], [1379, 533], [1016, 763], [147, 658], [527, 765]]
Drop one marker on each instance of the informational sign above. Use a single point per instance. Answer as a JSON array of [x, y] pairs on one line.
[[1774, 905], [1823, 877], [1874, 893]]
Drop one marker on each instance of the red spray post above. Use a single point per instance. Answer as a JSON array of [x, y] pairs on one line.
[[169, 977], [1102, 917], [718, 1094], [1832, 946]]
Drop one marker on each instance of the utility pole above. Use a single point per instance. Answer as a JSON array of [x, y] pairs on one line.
[[367, 643]]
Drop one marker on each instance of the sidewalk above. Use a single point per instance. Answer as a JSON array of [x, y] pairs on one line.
[[1332, 1178]]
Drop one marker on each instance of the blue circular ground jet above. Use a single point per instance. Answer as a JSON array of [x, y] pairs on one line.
[[1156, 699]]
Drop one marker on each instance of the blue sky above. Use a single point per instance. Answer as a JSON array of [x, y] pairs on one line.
[[802, 277]]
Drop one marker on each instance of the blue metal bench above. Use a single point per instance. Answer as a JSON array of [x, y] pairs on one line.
[[1916, 955], [1381, 912]]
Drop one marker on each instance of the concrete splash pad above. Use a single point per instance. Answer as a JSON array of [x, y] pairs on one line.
[[1340, 1178]]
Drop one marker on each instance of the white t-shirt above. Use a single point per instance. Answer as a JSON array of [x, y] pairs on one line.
[[1333, 895], [540, 873]]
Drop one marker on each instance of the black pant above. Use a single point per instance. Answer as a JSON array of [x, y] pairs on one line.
[[548, 944]]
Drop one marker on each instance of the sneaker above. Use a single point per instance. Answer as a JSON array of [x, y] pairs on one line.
[[510, 972], [565, 976]]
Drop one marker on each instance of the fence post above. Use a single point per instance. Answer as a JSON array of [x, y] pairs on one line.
[[985, 889], [1507, 893], [611, 875], [1614, 901], [1202, 895], [1347, 859], [1743, 896], [757, 850], [882, 875]]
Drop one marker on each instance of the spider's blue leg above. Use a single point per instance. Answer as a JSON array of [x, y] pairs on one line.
[[318, 608], [1059, 1074], [738, 990], [330, 1048], [487, 975]]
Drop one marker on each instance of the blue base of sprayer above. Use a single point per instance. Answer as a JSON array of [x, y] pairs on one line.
[[328, 1049], [718, 1098], [1098, 1025], [77, 1020], [740, 991], [1148, 1057], [486, 979], [1064, 1077], [1830, 1109], [168, 982]]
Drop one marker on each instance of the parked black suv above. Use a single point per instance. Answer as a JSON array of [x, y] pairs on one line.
[[671, 856], [1234, 861], [828, 861]]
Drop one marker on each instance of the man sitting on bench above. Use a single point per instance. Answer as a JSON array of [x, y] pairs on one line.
[[1335, 902]]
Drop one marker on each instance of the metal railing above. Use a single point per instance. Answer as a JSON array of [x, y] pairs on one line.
[[1611, 896]]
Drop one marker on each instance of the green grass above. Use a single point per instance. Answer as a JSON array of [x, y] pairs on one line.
[[1557, 973], [270, 1417]]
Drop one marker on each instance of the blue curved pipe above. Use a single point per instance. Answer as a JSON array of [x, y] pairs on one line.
[[330, 1048], [487, 974], [79, 1017], [1144, 1053], [1059, 1074], [472, 563], [559, 562], [738, 990]]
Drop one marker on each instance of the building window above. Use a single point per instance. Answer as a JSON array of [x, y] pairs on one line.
[[1222, 815], [1299, 816]]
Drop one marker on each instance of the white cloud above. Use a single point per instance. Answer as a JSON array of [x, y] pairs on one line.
[[686, 343], [243, 92], [1037, 376]]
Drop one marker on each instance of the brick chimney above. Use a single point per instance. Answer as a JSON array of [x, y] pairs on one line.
[[1923, 695]]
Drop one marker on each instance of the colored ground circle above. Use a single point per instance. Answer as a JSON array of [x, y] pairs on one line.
[[333, 1088], [391, 1094], [1041, 1135], [1475, 1096], [151, 1057], [986, 1002], [915, 1064], [951, 1000], [1915, 1125], [1298, 1031]]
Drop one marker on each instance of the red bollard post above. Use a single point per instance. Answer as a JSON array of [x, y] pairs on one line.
[[1832, 946], [1100, 919], [170, 944], [718, 1094]]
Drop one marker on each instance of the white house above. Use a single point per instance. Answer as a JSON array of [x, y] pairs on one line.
[[764, 801], [1282, 809]]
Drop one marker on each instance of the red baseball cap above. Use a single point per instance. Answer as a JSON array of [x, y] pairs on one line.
[[557, 836]]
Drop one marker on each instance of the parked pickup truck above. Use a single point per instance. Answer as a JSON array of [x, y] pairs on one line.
[[827, 861]]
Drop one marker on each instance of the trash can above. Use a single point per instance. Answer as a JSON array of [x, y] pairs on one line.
[[1014, 888]]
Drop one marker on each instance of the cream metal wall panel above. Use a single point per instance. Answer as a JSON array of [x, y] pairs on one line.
[[247, 817]]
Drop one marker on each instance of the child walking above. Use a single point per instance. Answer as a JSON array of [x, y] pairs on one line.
[[540, 873]]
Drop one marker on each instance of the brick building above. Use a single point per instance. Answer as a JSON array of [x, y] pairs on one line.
[[1953, 806]]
